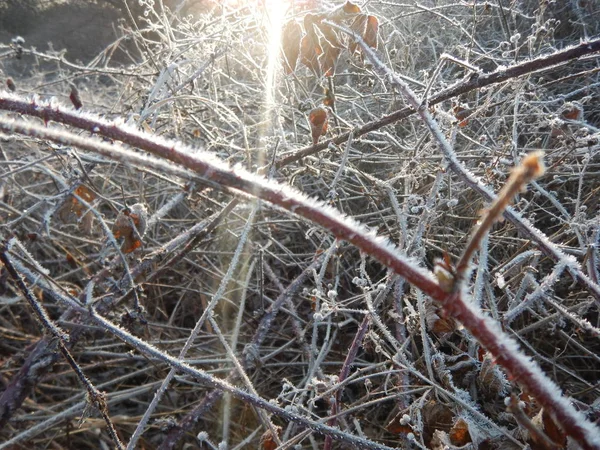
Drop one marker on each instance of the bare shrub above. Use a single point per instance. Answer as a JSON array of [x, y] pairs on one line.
[[187, 240]]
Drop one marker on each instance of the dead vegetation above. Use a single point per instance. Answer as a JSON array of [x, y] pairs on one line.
[[325, 347]]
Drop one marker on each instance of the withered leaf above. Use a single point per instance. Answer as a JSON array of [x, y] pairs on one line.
[[351, 8], [344, 12], [490, 379], [72, 207], [330, 43], [329, 98], [328, 34], [131, 225], [370, 32], [398, 425], [311, 19], [358, 26], [462, 115], [556, 434], [328, 58], [459, 433], [318, 123], [75, 98], [310, 50], [267, 440], [85, 193], [291, 35], [437, 322], [572, 111], [367, 26], [310, 46], [436, 416], [86, 223]]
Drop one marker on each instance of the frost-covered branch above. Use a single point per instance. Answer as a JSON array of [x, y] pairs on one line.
[[507, 353]]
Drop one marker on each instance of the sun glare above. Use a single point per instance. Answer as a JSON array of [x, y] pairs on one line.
[[275, 11], [271, 15]]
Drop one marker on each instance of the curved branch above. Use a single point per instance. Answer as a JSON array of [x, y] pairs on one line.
[[487, 332]]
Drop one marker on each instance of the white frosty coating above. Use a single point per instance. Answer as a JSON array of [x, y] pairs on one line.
[[161, 80], [569, 261], [532, 373], [510, 346], [17, 243], [582, 323], [34, 278], [478, 286], [542, 289], [208, 311], [214, 167], [552, 197], [517, 260], [202, 436], [288, 411], [164, 210]]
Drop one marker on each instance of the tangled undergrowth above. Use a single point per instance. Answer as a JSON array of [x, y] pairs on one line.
[[298, 328]]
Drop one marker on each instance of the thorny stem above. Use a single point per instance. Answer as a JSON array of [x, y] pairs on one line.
[[472, 82], [111, 130], [530, 168], [286, 413], [216, 171], [95, 397], [249, 356], [486, 331], [411, 110]]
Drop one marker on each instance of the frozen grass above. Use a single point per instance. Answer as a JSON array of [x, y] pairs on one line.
[[282, 328]]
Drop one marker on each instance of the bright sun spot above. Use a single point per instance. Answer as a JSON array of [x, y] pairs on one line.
[[271, 14], [275, 17]]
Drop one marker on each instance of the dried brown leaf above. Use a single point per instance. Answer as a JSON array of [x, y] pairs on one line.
[[331, 45], [318, 123], [351, 8], [552, 430], [267, 440], [462, 115], [572, 111], [490, 380], [329, 98], [131, 225], [370, 31], [398, 425], [73, 208], [459, 433], [367, 26], [358, 26], [75, 98], [436, 416], [291, 36], [310, 50]]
